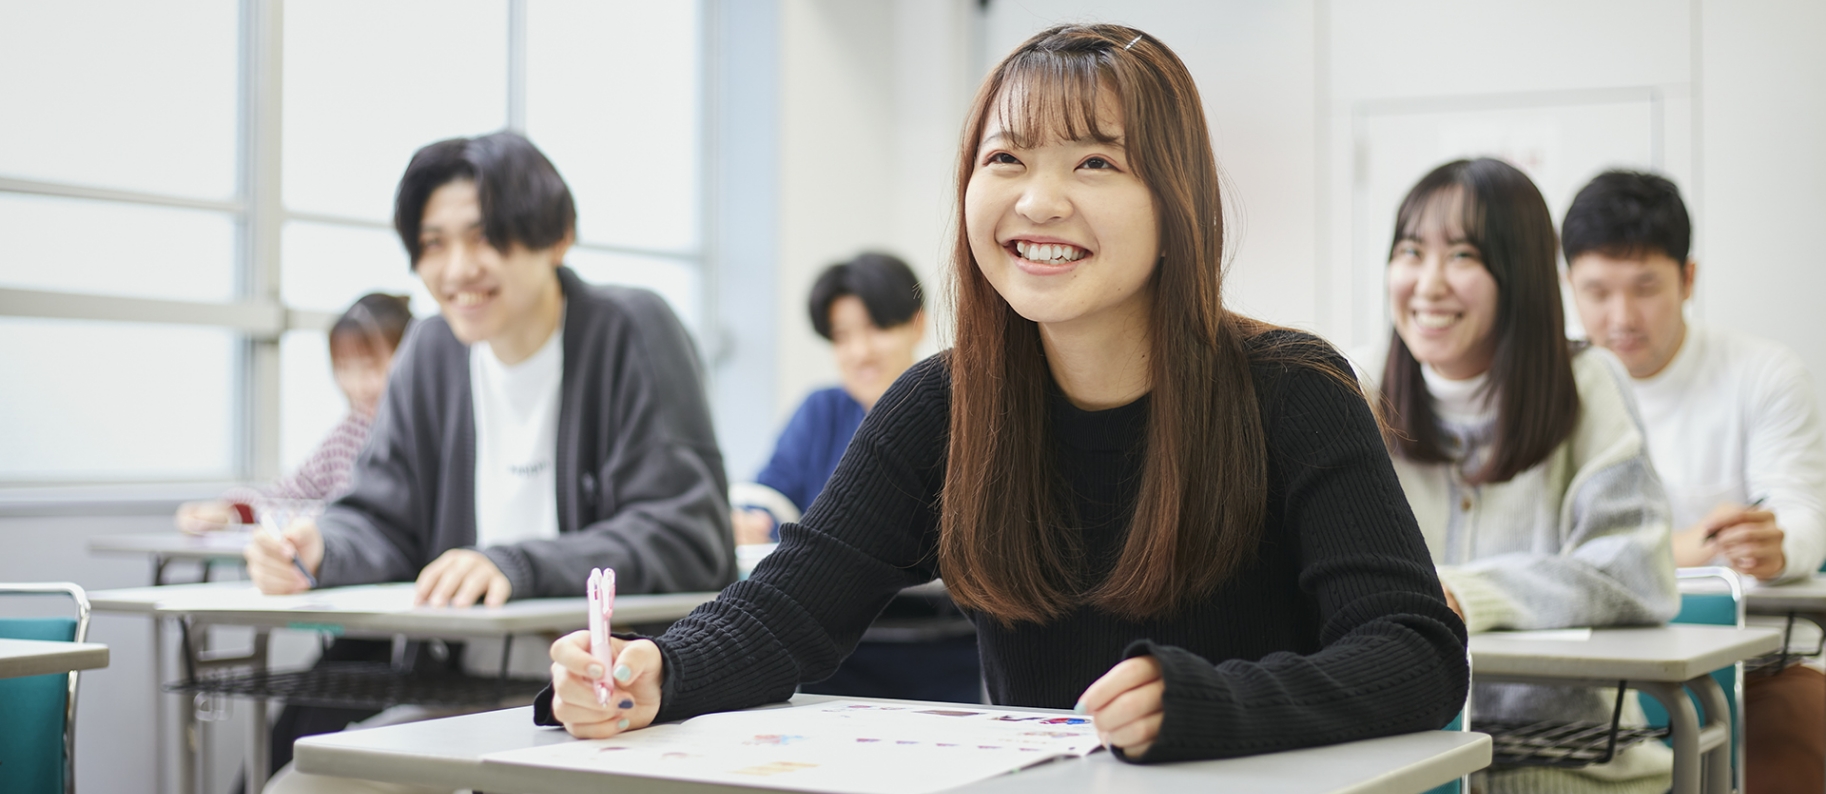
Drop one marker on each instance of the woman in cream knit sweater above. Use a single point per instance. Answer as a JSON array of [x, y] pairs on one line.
[[1523, 457]]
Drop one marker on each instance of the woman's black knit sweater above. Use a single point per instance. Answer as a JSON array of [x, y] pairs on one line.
[[1335, 631]]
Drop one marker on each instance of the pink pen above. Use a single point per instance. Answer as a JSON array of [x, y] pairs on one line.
[[601, 589]]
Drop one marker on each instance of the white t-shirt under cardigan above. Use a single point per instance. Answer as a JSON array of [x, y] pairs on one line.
[[1732, 419], [516, 418]]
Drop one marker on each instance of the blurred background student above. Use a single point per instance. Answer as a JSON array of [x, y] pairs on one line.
[[1522, 457], [361, 351], [871, 308], [1732, 422]]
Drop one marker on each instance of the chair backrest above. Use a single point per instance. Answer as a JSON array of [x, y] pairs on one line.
[[38, 730], [1713, 597]]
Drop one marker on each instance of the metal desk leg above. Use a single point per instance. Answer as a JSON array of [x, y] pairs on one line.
[[1696, 770], [259, 734], [1718, 717]]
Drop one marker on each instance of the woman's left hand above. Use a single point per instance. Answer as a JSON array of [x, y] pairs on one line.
[[1125, 705]]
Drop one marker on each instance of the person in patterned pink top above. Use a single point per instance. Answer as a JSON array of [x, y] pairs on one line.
[[361, 350]]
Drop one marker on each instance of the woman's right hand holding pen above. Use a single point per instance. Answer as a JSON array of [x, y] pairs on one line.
[[638, 672], [269, 557]]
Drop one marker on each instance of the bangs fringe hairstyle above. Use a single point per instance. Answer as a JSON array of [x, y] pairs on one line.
[[1006, 547], [1504, 217]]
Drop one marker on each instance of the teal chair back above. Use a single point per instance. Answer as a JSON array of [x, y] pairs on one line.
[[37, 726], [1724, 608]]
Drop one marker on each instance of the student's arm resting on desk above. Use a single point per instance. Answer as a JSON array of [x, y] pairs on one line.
[[1391, 657], [1785, 462], [660, 500], [1615, 563]]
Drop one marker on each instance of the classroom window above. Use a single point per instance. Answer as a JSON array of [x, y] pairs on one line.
[[627, 147], [114, 248], [367, 82], [151, 184], [105, 401], [74, 115]]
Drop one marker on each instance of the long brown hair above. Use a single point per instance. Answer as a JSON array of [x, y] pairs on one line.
[[1003, 548], [1504, 217]]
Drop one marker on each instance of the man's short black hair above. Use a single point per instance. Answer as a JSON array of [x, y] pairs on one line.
[[1627, 214], [523, 198], [886, 286]]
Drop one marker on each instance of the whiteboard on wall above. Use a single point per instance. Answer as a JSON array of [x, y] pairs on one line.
[[1560, 141]]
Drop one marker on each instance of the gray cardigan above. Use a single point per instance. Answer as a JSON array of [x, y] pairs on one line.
[[641, 487]]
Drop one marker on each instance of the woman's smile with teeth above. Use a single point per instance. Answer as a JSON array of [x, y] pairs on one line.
[[1049, 252], [1426, 319], [469, 298]]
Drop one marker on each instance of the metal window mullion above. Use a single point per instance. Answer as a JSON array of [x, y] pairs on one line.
[[66, 190], [516, 65], [262, 65], [711, 342]]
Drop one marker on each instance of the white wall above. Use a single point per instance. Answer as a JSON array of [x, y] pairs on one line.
[[872, 93], [1763, 90]]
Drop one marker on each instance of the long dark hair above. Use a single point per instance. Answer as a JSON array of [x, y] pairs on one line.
[[1202, 498], [1537, 403]]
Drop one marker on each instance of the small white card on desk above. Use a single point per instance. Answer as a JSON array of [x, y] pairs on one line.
[[1556, 635], [833, 746], [373, 598]]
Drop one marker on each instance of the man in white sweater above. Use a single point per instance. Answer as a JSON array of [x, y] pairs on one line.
[[1733, 430]]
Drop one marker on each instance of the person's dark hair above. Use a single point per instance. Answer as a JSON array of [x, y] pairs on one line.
[[884, 284], [1202, 498], [1504, 217], [523, 198], [374, 324], [1626, 215]]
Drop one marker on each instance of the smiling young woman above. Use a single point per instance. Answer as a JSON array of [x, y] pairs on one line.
[[1522, 457], [1174, 518]]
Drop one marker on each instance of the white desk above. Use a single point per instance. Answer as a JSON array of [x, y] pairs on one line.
[[165, 547], [447, 752], [1806, 598], [21, 658], [187, 605], [1663, 662]]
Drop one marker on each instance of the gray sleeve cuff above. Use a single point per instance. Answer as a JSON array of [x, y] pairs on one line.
[[513, 564]]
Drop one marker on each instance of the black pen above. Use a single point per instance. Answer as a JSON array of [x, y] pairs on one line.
[[1713, 532]]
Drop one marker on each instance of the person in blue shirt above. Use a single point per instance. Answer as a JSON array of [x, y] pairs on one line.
[[871, 309]]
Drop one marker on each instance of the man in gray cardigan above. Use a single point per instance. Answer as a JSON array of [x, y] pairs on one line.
[[639, 482], [537, 428]]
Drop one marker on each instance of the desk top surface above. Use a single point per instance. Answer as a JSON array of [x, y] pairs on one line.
[[380, 608], [19, 658], [1806, 595], [223, 545], [1665, 653], [446, 753]]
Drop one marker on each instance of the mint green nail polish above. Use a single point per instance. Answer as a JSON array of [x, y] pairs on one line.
[[596, 671], [623, 673], [1079, 708], [622, 725]]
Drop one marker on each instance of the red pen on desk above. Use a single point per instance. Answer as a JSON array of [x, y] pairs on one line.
[[601, 590]]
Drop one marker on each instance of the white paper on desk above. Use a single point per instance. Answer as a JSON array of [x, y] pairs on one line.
[[1557, 635], [834, 746], [374, 598]]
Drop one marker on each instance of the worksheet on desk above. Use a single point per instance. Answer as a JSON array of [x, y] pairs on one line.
[[373, 598], [834, 746]]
